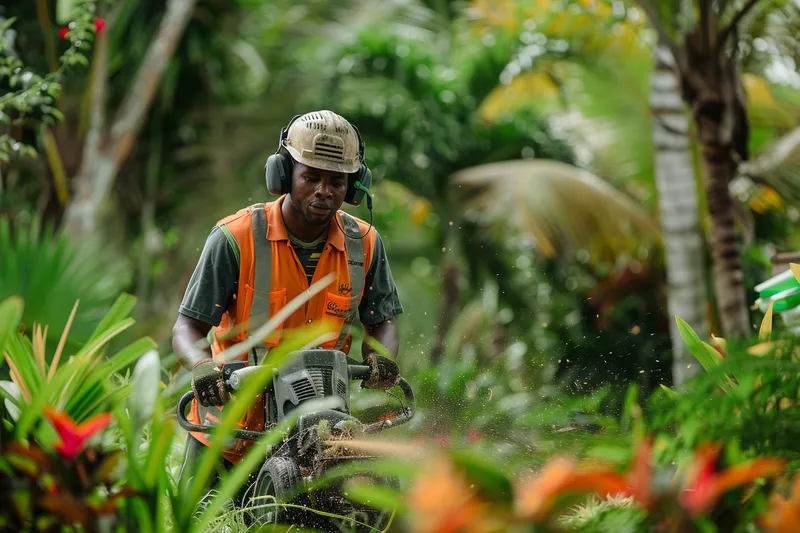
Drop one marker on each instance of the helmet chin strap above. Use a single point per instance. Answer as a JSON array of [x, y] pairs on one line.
[[358, 185]]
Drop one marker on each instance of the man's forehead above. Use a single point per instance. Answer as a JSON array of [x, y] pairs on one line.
[[305, 169]]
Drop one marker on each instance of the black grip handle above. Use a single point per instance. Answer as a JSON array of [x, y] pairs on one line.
[[186, 399], [359, 371]]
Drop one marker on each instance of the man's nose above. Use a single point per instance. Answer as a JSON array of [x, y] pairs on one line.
[[323, 189]]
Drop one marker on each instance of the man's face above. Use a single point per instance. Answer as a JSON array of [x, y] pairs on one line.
[[317, 194]]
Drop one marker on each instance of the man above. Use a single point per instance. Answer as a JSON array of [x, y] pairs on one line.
[[256, 261]]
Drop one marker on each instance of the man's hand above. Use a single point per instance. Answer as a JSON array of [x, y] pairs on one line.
[[385, 373], [208, 385]]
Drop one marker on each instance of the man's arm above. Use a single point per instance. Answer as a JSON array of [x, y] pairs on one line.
[[386, 334], [209, 293], [188, 341], [380, 304]]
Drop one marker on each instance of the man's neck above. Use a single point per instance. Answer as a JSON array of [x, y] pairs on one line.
[[297, 225]]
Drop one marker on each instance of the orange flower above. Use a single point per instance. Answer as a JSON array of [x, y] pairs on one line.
[[783, 516], [441, 502], [705, 485], [538, 496], [640, 475], [74, 436]]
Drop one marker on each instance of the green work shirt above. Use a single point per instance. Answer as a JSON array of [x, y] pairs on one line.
[[215, 281]]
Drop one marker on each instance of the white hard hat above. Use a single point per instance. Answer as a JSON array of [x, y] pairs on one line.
[[324, 140]]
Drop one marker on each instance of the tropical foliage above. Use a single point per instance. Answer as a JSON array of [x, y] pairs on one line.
[[519, 155]]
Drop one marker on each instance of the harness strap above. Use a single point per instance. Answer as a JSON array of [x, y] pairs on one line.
[[358, 272], [262, 278]]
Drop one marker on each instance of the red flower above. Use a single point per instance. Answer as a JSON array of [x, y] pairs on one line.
[[706, 484], [99, 26], [74, 436]]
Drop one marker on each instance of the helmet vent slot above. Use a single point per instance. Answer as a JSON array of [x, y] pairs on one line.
[[329, 150]]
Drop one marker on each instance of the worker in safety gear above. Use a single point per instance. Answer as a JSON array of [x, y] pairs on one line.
[[257, 260]]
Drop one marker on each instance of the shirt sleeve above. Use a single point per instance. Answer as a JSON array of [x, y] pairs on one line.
[[213, 282], [380, 301]]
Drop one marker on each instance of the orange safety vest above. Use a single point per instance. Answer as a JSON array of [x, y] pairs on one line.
[[270, 275]]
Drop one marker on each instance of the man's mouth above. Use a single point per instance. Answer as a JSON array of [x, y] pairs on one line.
[[320, 209]]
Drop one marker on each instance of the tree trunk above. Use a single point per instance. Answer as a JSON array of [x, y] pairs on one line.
[[725, 245], [106, 152], [712, 87], [679, 213]]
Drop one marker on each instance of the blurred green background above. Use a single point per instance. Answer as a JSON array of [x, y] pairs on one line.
[[552, 270]]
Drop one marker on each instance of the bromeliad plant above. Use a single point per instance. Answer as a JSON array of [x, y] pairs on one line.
[[81, 385]]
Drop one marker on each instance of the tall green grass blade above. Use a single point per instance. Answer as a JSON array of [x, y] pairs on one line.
[[19, 350], [375, 496], [126, 357], [103, 338], [52, 389], [121, 310]]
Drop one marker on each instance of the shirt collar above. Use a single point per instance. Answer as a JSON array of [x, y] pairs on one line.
[[276, 229]]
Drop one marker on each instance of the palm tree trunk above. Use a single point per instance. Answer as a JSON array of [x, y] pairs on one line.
[[725, 245], [679, 212]]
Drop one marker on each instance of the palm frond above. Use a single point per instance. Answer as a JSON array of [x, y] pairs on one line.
[[557, 204], [50, 275], [779, 167]]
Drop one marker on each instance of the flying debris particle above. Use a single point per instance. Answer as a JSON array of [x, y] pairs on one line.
[[444, 248], [641, 371], [451, 222], [635, 330], [490, 393]]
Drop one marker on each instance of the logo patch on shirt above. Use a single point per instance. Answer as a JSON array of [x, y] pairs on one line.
[[356, 263], [334, 310], [345, 288]]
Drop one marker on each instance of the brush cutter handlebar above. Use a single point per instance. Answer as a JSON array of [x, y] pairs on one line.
[[236, 379]]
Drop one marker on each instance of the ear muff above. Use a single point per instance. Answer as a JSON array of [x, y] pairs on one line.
[[278, 170], [359, 182]]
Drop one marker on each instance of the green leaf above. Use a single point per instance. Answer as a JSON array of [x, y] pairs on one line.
[[119, 311], [10, 317], [488, 477], [671, 393], [65, 10], [374, 495], [706, 355]]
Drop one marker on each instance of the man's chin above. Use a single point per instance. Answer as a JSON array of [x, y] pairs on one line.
[[319, 220]]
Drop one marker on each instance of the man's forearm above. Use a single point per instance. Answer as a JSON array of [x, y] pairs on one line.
[[188, 341], [386, 334]]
